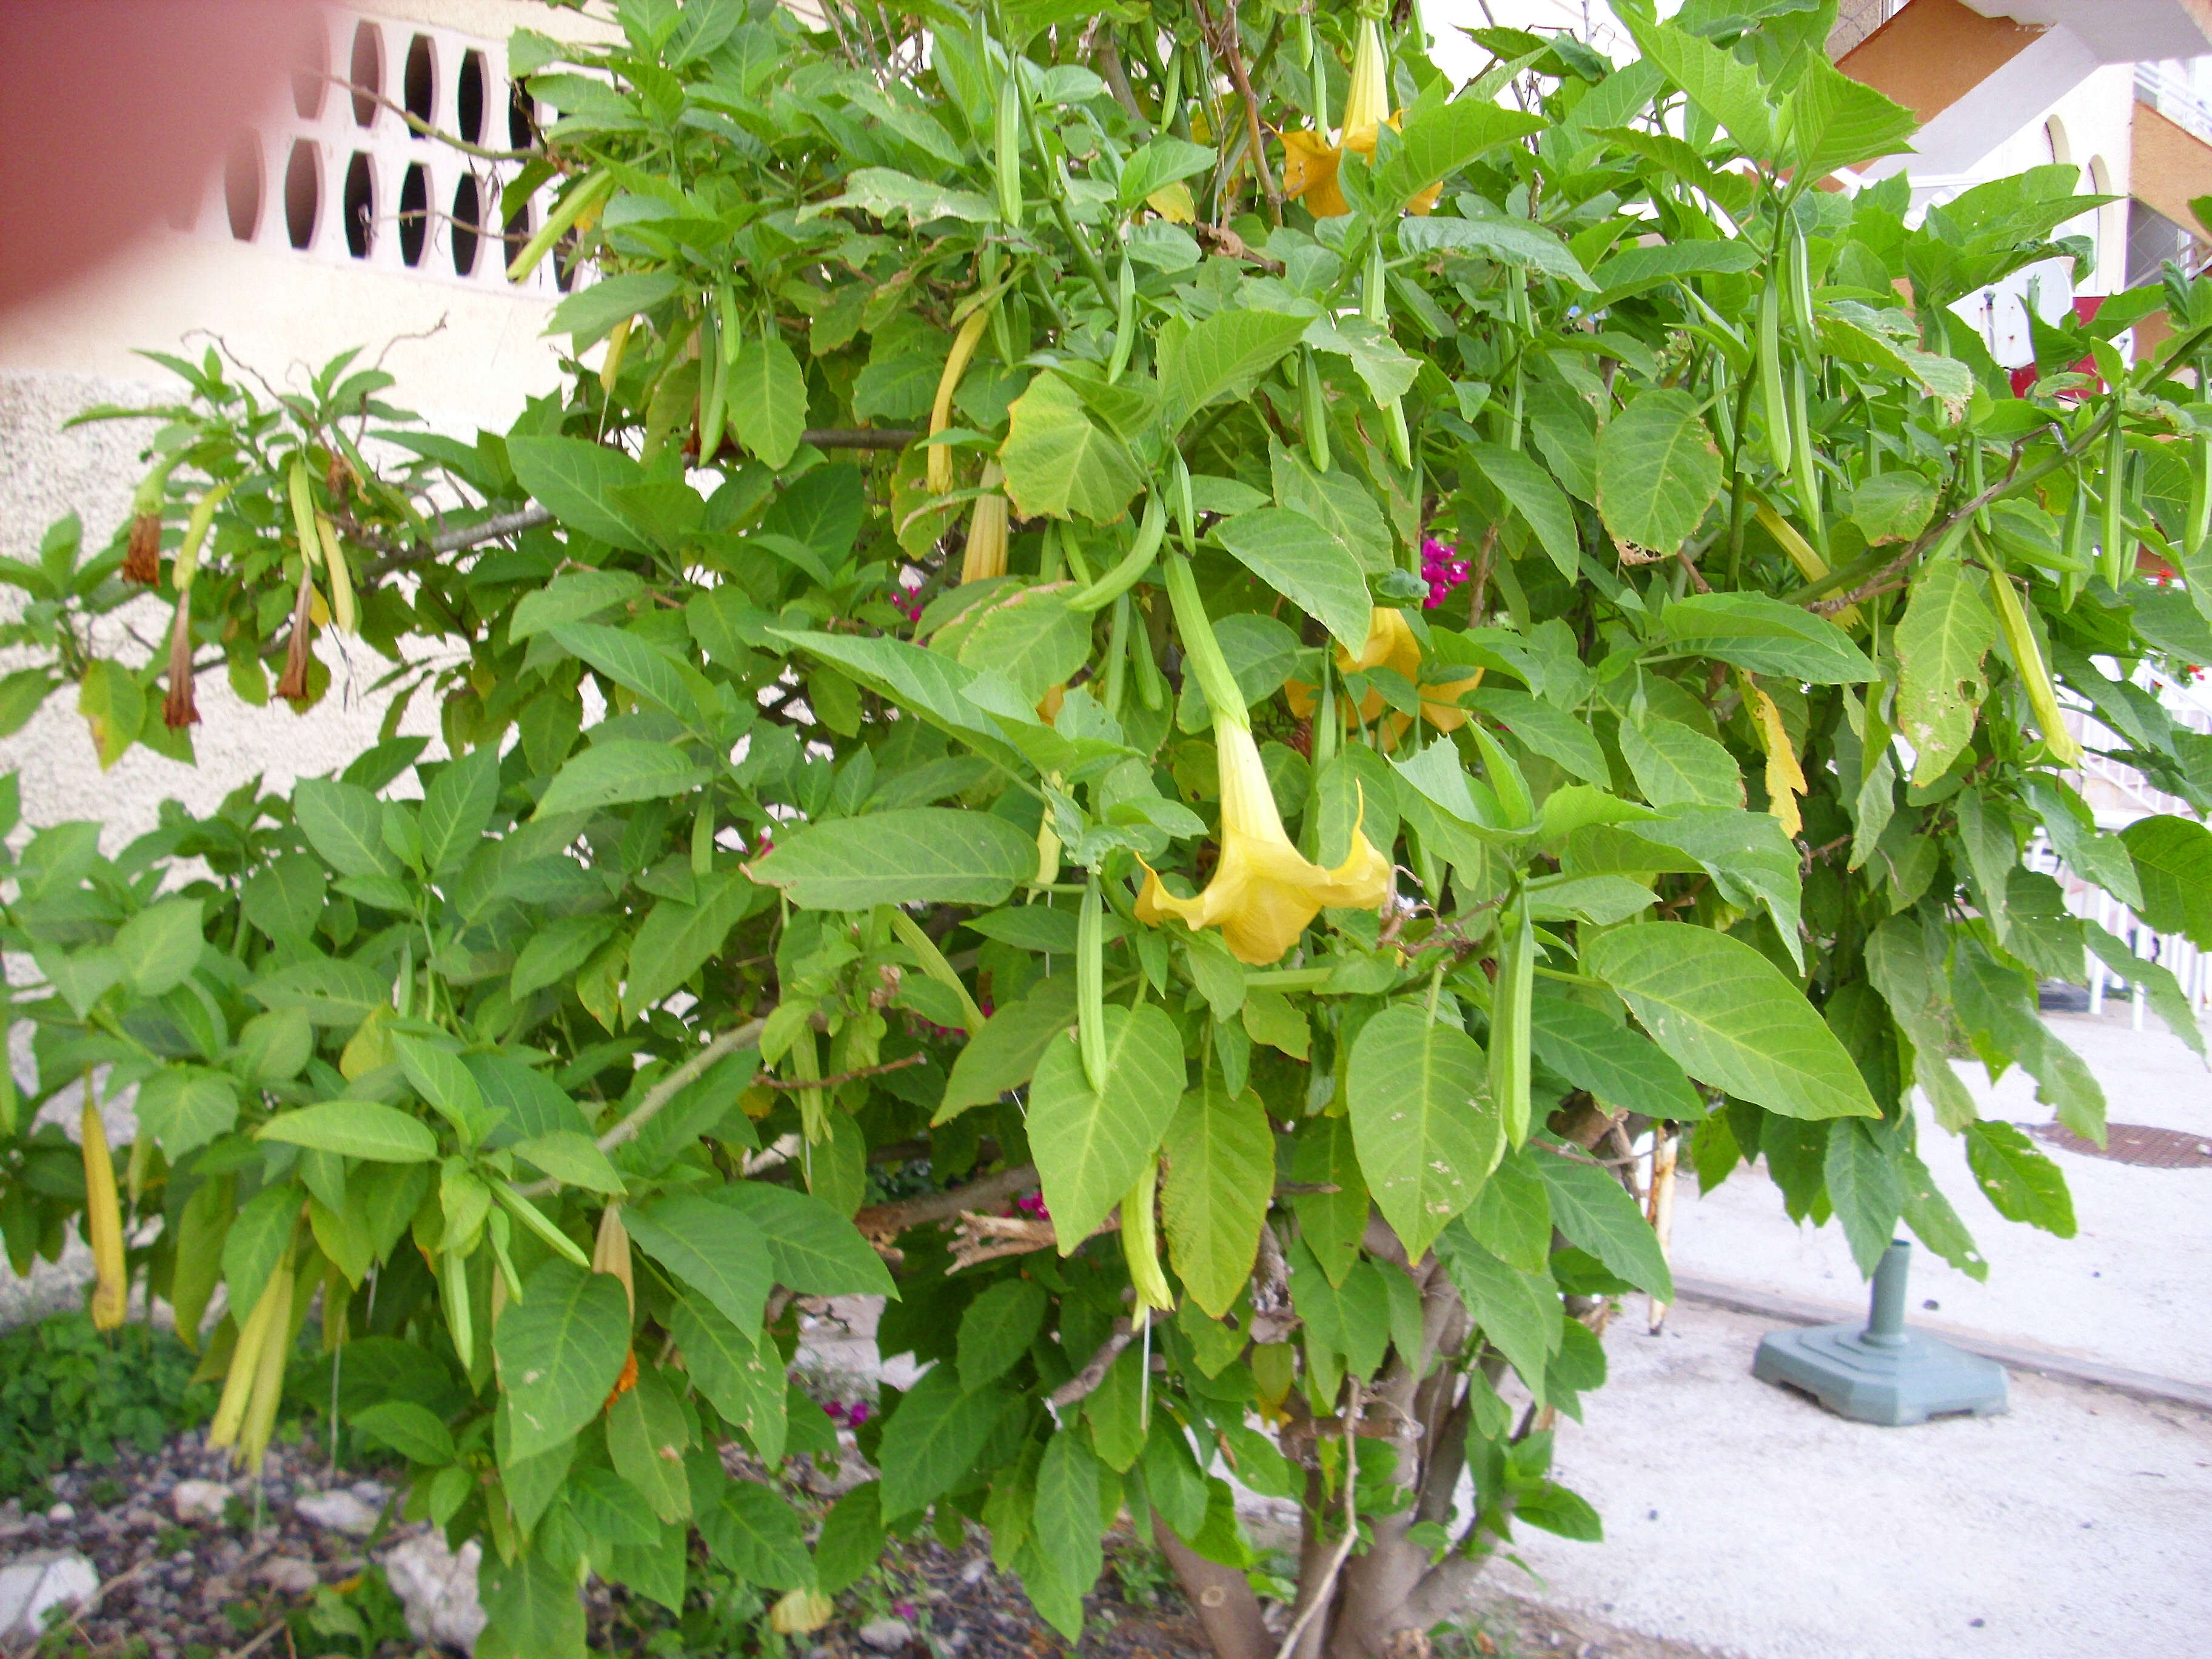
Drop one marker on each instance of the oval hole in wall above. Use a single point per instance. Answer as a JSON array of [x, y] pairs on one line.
[[303, 192], [366, 73], [468, 211], [419, 85], [359, 206], [241, 185], [470, 97], [521, 117], [414, 213]]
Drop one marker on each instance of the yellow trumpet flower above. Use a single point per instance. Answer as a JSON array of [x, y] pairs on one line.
[[1264, 892], [939, 470], [103, 1222], [985, 554], [1310, 162], [1390, 644]]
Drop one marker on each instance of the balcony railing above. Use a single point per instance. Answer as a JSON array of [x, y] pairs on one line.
[[2175, 98]]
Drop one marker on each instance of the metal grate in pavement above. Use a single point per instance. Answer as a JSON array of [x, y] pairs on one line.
[[2132, 1143]]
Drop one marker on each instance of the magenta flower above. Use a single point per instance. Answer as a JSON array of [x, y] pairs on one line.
[[856, 1413], [1442, 568]]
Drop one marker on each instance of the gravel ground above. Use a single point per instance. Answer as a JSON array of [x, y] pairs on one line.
[[212, 1589], [184, 1591]]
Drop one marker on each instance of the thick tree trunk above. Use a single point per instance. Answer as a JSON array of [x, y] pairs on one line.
[[1226, 1607]]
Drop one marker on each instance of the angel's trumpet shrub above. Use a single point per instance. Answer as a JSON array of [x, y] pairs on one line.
[[1264, 892], [1310, 162]]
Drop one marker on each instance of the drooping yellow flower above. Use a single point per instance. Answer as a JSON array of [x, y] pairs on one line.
[[1264, 893], [1309, 160], [939, 469], [985, 554], [1390, 644], [103, 1222]]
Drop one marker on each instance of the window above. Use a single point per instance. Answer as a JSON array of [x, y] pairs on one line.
[[303, 192]]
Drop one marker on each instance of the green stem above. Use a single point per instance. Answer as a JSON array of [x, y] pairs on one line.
[[1201, 650]]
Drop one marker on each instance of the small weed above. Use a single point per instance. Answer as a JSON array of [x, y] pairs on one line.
[[361, 1615], [104, 1492], [68, 1391]]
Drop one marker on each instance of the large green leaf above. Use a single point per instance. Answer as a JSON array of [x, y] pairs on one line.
[[931, 1441], [813, 1249], [551, 955], [888, 194], [576, 480], [997, 1330], [1622, 1067], [160, 946], [1717, 81], [1675, 766], [1436, 145], [328, 991], [1864, 1191], [768, 399], [2020, 1181], [618, 772], [757, 1536], [1031, 637], [1728, 1017], [1222, 355], [571, 1157], [629, 662], [1518, 1313], [676, 938], [1162, 161], [1059, 462], [533, 1609], [1530, 491], [1299, 559], [1948, 629], [1657, 471], [590, 313], [1089, 1148], [574, 596], [561, 1346], [929, 683], [355, 1128], [185, 1107], [712, 1249], [920, 854], [1004, 1054], [1335, 501], [1422, 1119], [1753, 631], [1221, 1173], [1509, 240], [2173, 861], [1840, 122], [1635, 269], [457, 808], [1067, 1519], [1548, 730], [344, 823], [743, 1383], [1596, 1214]]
